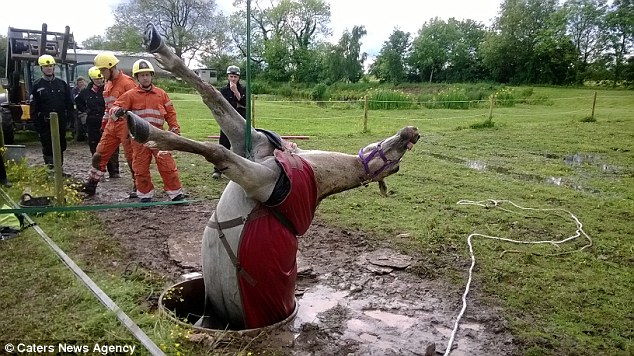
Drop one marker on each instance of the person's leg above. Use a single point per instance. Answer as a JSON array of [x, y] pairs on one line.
[[113, 165], [141, 166], [124, 136], [169, 174], [47, 144], [108, 143]]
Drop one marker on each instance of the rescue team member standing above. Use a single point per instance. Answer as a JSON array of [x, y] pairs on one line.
[[90, 101], [236, 95], [115, 130], [153, 105], [50, 94]]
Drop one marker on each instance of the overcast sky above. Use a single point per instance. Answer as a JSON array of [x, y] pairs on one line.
[[88, 18]]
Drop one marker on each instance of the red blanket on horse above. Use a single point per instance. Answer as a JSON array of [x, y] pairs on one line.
[[268, 248]]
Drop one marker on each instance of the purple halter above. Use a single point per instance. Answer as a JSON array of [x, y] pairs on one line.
[[366, 160]]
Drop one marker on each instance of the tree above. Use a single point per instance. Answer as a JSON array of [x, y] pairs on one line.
[[527, 42], [95, 42], [584, 23], [286, 31], [447, 50], [187, 25], [390, 64], [345, 60], [620, 35]]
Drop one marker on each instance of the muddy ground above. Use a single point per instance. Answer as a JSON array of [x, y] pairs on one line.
[[353, 299]]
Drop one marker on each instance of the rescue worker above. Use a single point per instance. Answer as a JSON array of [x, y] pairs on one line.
[[115, 130], [236, 95], [90, 102], [153, 105], [50, 94]]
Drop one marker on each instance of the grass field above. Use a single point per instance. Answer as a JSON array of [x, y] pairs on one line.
[[538, 156]]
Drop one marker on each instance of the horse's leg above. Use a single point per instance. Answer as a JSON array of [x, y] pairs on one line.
[[256, 178], [227, 117]]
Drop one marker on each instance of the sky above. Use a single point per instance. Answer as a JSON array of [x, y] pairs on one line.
[[88, 18]]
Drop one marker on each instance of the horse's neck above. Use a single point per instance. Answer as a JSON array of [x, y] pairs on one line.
[[334, 171]]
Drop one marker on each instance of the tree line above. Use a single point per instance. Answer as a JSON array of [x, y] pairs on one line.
[[529, 42]]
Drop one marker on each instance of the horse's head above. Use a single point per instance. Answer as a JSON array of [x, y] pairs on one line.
[[381, 159]]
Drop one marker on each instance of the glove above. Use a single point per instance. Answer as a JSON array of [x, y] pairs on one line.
[[103, 125], [176, 130], [116, 112]]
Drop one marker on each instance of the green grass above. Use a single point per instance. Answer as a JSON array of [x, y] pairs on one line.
[[574, 304]]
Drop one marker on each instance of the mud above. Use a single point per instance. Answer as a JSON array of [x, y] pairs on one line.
[[353, 299]]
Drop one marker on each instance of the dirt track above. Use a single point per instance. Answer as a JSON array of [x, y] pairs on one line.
[[350, 300]]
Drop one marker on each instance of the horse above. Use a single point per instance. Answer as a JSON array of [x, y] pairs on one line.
[[250, 242]]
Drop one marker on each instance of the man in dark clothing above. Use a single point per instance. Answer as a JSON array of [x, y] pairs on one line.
[[78, 122], [90, 101], [236, 95], [50, 94]]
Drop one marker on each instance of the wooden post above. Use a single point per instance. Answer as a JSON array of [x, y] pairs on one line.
[[365, 114], [253, 111], [491, 107], [57, 158], [594, 104]]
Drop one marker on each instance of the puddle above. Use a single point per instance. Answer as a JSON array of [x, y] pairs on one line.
[[483, 166], [580, 159], [381, 325]]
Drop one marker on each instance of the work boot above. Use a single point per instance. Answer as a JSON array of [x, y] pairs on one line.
[[48, 161], [180, 198], [146, 200], [90, 187], [133, 194]]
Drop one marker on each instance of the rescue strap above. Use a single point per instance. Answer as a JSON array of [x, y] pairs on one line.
[[47, 209], [221, 235]]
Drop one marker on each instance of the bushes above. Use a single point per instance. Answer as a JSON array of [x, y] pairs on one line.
[[451, 98], [319, 92], [382, 99]]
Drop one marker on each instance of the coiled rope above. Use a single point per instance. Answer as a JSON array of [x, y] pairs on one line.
[[490, 203]]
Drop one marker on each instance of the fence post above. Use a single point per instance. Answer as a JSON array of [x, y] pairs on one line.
[[492, 97], [594, 104], [57, 158], [253, 111], [365, 113]]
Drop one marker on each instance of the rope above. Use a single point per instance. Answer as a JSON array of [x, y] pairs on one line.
[[94, 288], [497, 204]]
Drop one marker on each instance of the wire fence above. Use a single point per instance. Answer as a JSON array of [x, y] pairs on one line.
[[266, 109]]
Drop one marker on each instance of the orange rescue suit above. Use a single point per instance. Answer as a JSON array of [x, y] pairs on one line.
[[154, 106], [114, 132]]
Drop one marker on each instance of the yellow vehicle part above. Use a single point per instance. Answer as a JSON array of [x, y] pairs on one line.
[[26, 112]]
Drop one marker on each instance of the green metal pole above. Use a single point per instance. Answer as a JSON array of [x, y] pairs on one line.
[[57, 158], [247, 131]]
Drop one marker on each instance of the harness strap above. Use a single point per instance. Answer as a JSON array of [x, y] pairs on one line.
[[259, 211], [232, 256]]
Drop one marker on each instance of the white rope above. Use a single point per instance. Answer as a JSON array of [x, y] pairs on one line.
[[497, 204]]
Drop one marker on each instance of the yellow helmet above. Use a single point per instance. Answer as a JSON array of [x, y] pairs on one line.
[[106, 60], [141, 66], [46, 60], [94, 73]]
